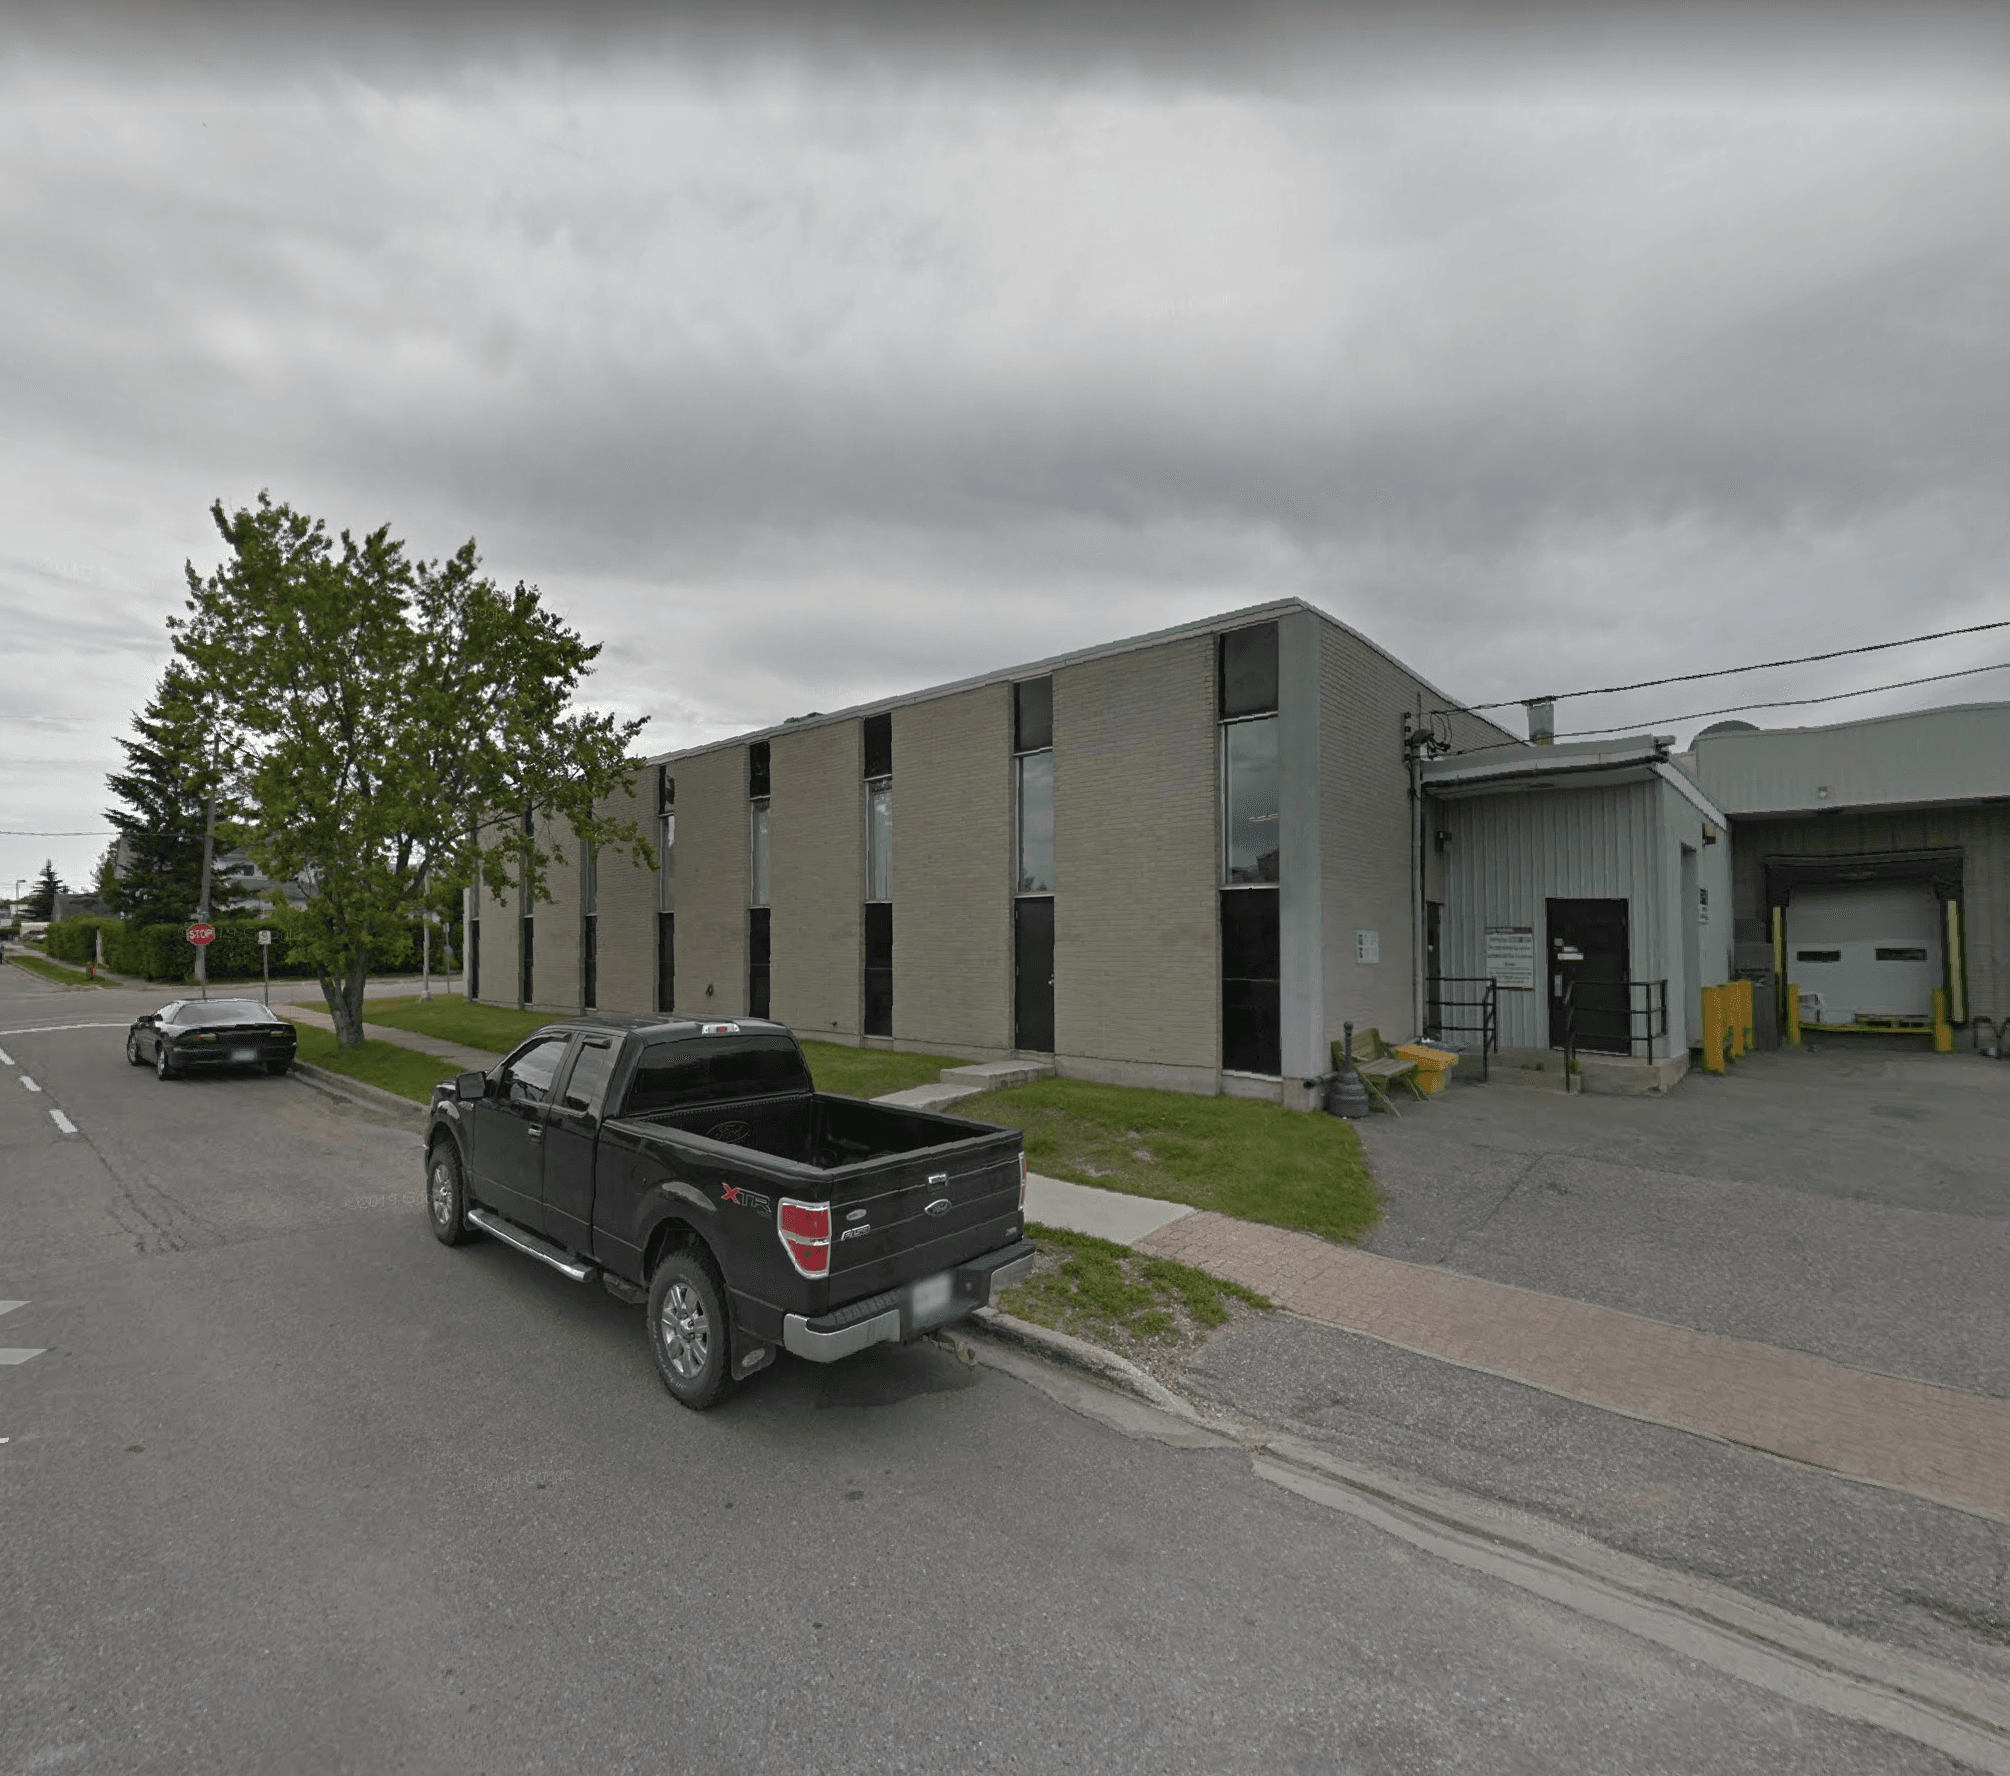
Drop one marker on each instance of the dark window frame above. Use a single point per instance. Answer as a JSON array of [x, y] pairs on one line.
[[876, 973], [760, 963]]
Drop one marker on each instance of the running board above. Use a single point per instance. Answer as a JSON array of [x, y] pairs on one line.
[[524, 1241]]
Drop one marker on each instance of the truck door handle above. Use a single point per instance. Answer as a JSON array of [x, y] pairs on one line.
[[536, 1133]]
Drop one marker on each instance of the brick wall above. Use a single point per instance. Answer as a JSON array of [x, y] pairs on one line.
[[1366, 833], [952, 870], [627, 924], [1136, 975], [712, 881], [816, 878]]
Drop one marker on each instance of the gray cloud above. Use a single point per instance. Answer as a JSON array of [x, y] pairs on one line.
[[813, 359]]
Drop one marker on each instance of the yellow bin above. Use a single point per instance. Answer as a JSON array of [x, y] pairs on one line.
[[1434, 1066]]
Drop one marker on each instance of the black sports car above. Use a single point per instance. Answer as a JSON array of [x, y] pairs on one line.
[[211, 1033]]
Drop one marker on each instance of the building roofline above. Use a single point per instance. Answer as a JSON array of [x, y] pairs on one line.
[[1862, 721], [1232, 619]]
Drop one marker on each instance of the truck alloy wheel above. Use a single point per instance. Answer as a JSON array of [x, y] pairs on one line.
[[446, 1196], [687, 1329]]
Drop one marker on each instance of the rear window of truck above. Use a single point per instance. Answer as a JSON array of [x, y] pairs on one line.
[[708, 1070]]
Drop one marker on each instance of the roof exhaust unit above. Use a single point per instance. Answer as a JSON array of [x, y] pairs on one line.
[[1541, 720]]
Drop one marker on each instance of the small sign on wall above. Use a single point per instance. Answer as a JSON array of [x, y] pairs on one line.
[[1367, 946], [1511, 957]]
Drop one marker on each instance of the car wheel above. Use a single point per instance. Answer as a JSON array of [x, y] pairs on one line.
[[133, 1055], [446, 1195], [688, 1334], [162, 1069]]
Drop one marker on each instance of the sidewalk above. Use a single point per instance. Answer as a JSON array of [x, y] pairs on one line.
[[1936, 1443]]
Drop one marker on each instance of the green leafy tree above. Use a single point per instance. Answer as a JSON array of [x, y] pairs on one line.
[[173, 766], [41, 902], [372, 707]]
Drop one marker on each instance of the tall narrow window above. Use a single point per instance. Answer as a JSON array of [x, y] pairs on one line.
[[877, 982], [1033, 865], [1251, 1037], [474, 958], [526, 963], [589, 928], [879, 968], [666, 890], [757, 962]]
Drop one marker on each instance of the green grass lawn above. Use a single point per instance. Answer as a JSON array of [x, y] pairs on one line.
[[1095, 1289], [55, 971], [870, 1072], [854, 1072], [401, 1070], [449, 1017], [1259, 1162]]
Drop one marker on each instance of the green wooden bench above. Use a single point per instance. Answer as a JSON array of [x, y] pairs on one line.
[[1382, 1077]]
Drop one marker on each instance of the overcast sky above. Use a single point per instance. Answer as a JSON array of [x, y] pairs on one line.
[[863, 350]]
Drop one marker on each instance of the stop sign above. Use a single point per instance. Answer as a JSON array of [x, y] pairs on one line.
[[201, 934]]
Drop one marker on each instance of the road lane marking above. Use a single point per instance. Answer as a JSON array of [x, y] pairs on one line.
[[63, 1122], [45, 1029], [7, 1307], [29, 1083], [18, 1356], [6, 1060]]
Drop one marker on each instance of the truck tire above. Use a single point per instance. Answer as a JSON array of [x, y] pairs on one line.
[[446, 1195], [688, 1332]]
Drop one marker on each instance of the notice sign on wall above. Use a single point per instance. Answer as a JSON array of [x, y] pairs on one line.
[[1511, 956]]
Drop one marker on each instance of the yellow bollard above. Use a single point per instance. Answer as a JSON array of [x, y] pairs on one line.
[[1943, 1031], [1734, 1020], [1793, 1015], [1713, 1030]]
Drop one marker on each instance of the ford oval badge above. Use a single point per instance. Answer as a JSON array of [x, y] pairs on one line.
[[940, 1206], [734, 1132]]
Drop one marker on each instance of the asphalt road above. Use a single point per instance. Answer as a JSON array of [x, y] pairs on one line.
[[292, 1487]]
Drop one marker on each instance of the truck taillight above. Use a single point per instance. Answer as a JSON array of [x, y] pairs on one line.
[[806, 1235], [1022, 1180]]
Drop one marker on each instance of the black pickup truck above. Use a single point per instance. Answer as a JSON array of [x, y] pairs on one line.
[[693, 1165]]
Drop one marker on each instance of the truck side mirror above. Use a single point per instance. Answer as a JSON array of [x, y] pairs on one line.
[[471, 1088]]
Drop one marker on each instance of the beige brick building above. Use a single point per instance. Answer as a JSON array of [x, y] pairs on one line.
[[1180, 860]]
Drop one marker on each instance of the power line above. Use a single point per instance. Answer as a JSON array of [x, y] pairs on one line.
[[99, 832], [1647, 684], [1669, 721]]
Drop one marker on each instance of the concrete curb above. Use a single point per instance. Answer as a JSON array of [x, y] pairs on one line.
[[373, 1097], [1077, 1353]]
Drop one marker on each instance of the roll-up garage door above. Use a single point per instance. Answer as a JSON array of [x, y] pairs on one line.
[[1865, 953]]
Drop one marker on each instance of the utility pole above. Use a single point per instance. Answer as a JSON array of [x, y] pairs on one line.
[[202, 900]]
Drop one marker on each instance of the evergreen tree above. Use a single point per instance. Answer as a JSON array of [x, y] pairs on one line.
[[41, 902], [167, 777]]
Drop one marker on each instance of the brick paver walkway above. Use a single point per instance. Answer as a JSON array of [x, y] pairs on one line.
[[1936, 1442]]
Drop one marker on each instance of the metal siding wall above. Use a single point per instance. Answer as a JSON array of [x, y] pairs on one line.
[[1981, 833], [1511, 853]]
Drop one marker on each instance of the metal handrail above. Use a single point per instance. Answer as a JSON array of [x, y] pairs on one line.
[[1654, 1012], [1488, 1029]]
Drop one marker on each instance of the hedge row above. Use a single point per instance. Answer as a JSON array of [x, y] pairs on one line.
[[163, 952]]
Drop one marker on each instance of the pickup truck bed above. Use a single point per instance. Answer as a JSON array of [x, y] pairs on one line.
[[695, 1162]]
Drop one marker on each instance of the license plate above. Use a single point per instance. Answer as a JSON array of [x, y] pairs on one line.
[[931, 1295], [244, 1054]]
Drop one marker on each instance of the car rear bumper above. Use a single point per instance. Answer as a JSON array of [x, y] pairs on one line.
[[241, 1055], [909, 1310]]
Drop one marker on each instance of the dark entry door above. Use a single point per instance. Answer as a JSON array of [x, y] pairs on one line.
[[1588, 961], [1033, 975]]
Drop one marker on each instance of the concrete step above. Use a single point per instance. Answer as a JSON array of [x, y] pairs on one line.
[[997, 1075], [930, 1097]]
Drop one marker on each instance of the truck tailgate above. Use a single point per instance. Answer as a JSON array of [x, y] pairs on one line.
[[923, 1213]]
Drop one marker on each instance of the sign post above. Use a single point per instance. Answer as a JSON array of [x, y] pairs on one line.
[[202, 935], [265, 961]]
